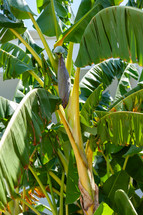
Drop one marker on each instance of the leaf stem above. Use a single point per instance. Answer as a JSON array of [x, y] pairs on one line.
[[23, 204], [61, 194], [30, 206], [56, 179], [67, 210], [43, 190], [37, 78], [45, 44], [108, 163], [125, 162], [32, 51]]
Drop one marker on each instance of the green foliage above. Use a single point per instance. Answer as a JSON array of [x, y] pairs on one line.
[[113, 27], [39, 157]]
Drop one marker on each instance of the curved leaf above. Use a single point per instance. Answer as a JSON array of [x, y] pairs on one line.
[[124, 204], [86, 11], [103, 37], [46, 21], [19, 8], [132, 102], [15, 63], [74, 33], [8, 23], [104, 72], [25, 127], [6, 34]]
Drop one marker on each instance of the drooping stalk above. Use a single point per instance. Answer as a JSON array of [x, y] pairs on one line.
[[43, 190], [125, 162], [31, 50], [57, 179], [45, 44], [30, 206], [69, 58], [61, 194]]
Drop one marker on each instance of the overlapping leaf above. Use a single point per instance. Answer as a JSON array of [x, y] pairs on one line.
[[20, 9], [101, 73], [103, 37], [24, 127], [86, 11], [5, 24], [16, 63]]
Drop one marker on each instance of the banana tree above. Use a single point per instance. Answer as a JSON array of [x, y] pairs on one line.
[[37, 156]]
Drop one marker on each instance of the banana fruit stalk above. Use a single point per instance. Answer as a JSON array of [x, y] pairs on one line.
[[64, 83]]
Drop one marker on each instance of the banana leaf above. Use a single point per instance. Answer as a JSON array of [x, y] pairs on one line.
[[86, 11], [121, 128], [25, 127], [5, 24], [14, 61], [104, 73], [20, 9], [113, 32], [48, 16]]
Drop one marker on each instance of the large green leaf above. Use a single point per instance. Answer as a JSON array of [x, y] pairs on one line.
[[113, 32], [117, 181], [14, 61], [7, 23], [74, 33], [25, 127], [48, 21], [86, 11], [59, 7], [19, 8], [131, 168], [124, 204], [72, 191]]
